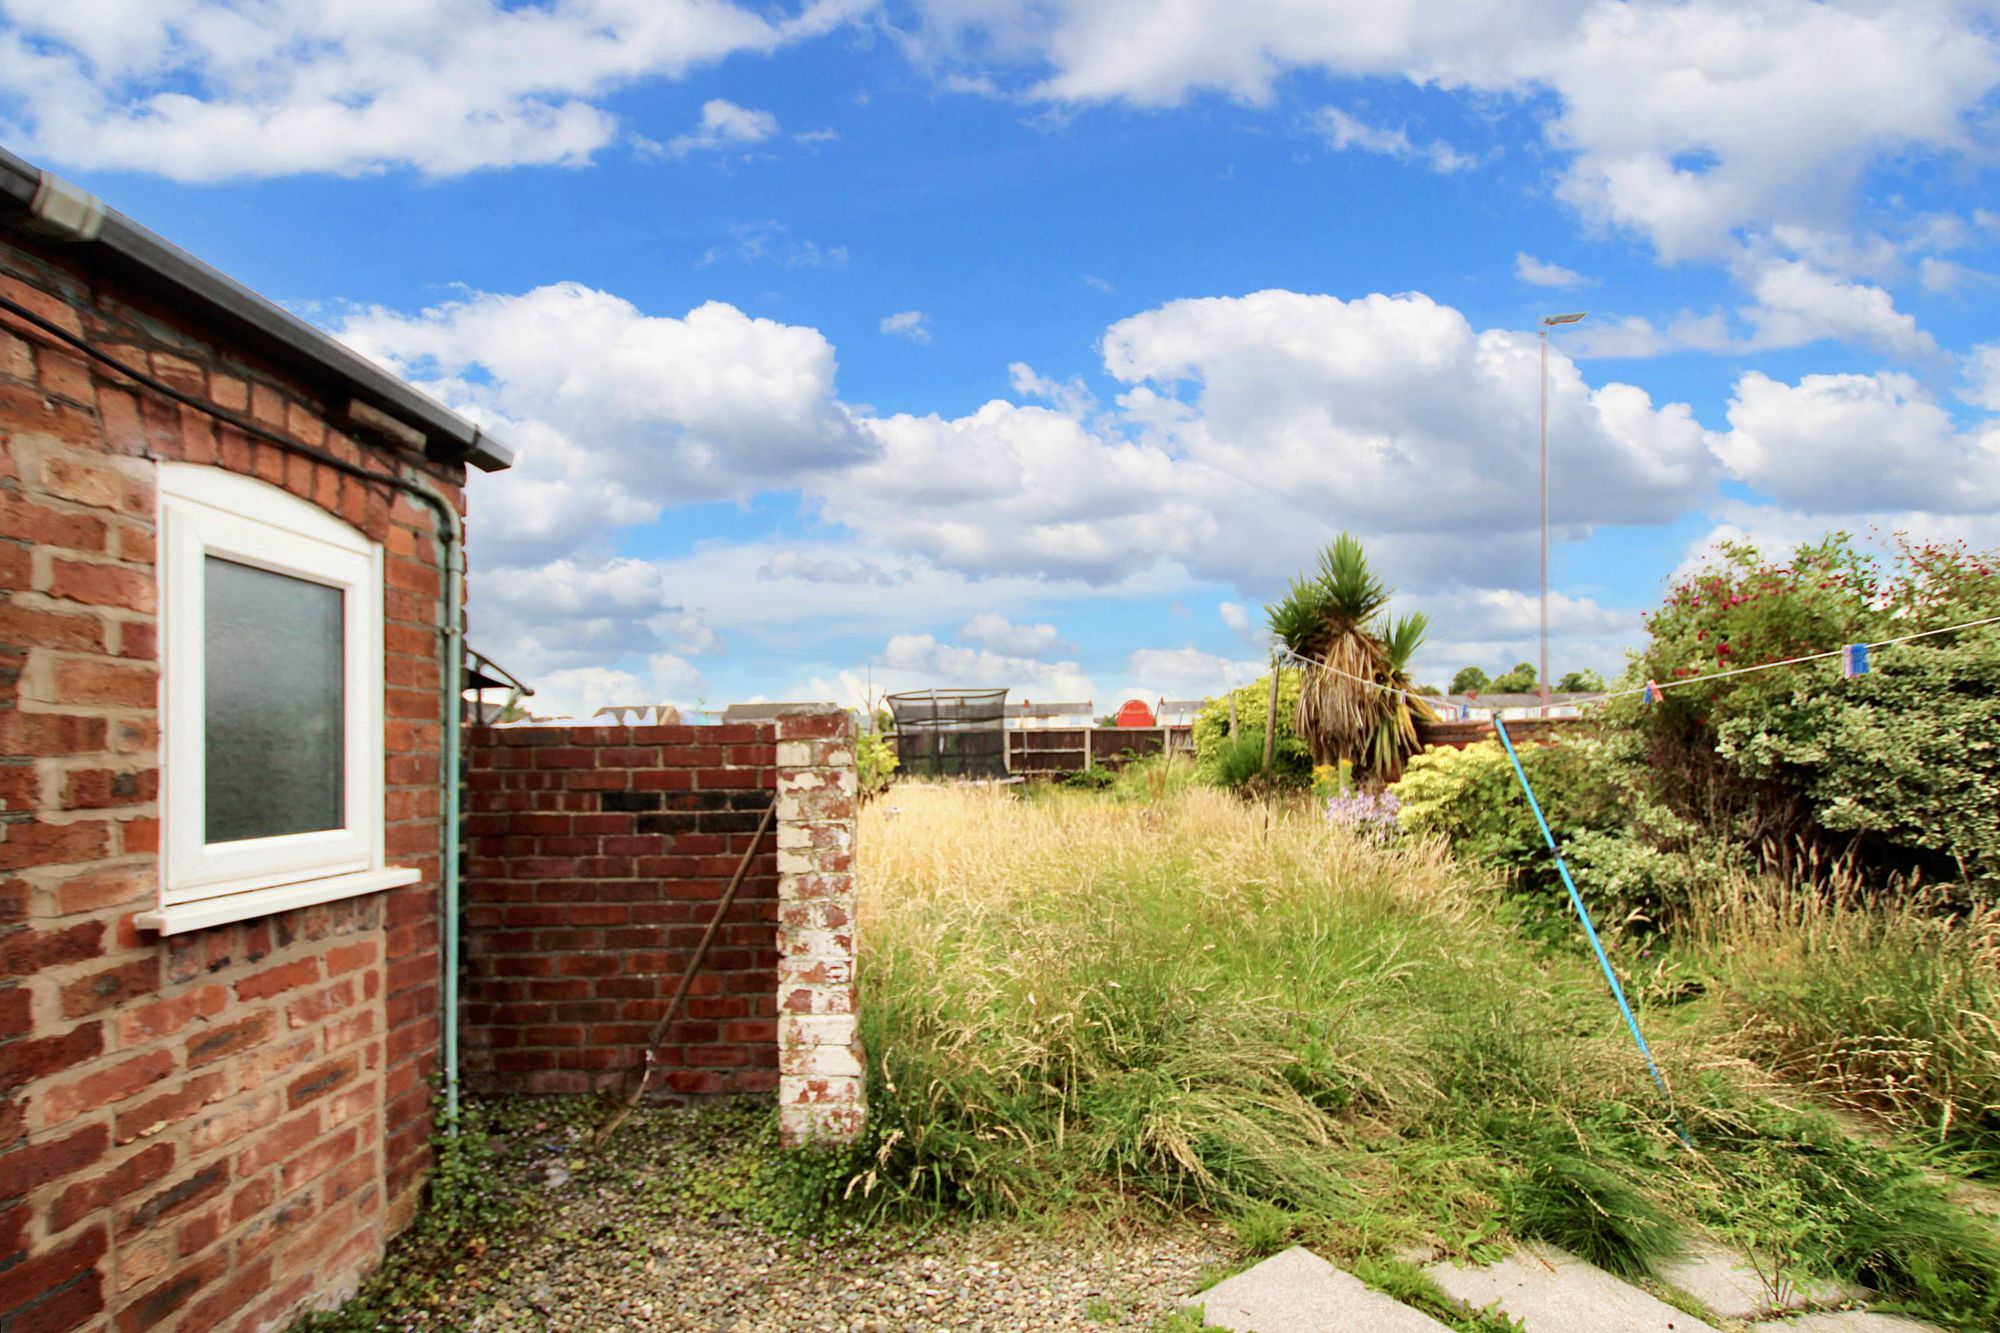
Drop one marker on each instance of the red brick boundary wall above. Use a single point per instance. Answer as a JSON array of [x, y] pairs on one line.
[[595, 858], [214, 1129], [1457, 735]]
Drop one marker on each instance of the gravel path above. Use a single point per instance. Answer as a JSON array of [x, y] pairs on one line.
[[710, 1277], [643, 1237]]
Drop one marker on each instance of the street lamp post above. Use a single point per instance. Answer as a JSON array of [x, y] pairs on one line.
[[1548, 322]]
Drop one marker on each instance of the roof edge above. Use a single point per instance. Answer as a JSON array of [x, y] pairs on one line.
[[43, 203]]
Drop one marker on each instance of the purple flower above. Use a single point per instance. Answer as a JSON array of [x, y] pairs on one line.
[[1370, 813]]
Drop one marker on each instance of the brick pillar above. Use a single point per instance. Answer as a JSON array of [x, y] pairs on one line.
[[820, 1061]]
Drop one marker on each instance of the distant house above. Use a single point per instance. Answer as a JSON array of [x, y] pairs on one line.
[[1032, 715], [1178, 712], [637, 715], [230, 667]]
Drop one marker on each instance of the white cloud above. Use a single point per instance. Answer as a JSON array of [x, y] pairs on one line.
[[1691, 123], [1081, 51], [1709, 128], [915, 661], [1493, 628], [911, 324], [578, 692], [1244, 623], [617, 413], [1542, 273], [1185, 673], [1395, 415], [1637, 336], [793, 565], [990, 629], [1342, 133], [541, 621], [1246, 422], [770, 242], [205, 90], [1072, 397], [1778, 530], [753, 591], [1018, 490], [1251, 419], [1249, 429], [725, 125], [1793, 304], [1855, 443], [1799, 304], [1097, 284], [1981, 372]]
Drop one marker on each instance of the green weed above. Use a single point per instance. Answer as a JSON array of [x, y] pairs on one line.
[[1198, 1004]]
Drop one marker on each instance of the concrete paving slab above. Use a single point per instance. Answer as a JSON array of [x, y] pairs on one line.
[[1721, 1280], [1299, 1292], [1844, 1321], [1549, 1291]]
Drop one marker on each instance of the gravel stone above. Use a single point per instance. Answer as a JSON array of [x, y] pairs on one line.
[[605, 1252]]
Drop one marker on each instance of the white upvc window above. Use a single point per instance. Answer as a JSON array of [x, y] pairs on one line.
[[271, 777]]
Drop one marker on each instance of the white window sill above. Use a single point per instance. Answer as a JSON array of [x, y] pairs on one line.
[[182, 917]]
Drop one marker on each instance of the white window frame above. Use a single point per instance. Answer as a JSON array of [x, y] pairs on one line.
[[206, 511]]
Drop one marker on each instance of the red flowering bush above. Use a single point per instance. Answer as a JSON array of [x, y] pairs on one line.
[[1797, 760]]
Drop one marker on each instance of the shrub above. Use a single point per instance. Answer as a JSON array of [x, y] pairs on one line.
[[874, 763], [1889, 768], [1233, 764], [1905, 757], [1635, 863]]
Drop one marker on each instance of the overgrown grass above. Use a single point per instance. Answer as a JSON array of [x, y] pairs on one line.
[[1075, 1004], [1890, 1006]]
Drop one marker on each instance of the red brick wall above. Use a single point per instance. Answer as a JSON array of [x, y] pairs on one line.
[[595, 859], [204, 1131], [1456, 735]]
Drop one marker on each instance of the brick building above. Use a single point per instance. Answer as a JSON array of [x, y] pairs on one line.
[[229, 575], [232, 759]]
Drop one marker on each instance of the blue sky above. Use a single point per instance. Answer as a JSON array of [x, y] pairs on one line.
[[959, 342]]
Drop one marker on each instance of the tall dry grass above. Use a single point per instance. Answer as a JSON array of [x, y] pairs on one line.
[[1080, 1004], [1884, 1003]]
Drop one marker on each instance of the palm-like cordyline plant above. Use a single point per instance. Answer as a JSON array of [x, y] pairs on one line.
[[1395, 737], [1329, 618]]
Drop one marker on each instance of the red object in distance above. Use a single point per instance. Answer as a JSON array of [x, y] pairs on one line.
[[1133, 713]]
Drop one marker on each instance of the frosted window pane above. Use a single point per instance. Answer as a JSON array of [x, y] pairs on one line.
[[274, 695]]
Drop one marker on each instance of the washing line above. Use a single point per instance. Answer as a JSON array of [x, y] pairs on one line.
[[1652, 690], [1656, 688]]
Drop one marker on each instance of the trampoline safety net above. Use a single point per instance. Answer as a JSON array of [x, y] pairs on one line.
[[951, 733]]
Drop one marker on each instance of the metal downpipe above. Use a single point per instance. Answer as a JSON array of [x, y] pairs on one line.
[[453, 538]]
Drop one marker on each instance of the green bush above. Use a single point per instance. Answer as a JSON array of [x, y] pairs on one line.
[[1895, 769], [1907, 757], [874, 763], [1634, 863], [1233, 764]]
